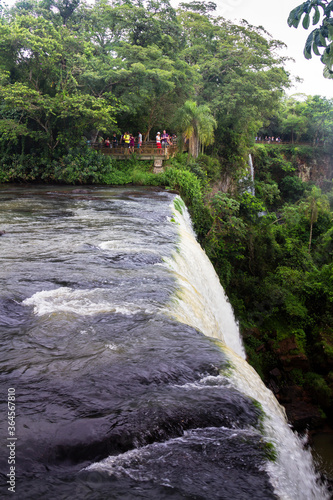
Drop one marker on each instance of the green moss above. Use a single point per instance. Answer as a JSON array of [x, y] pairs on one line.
[[269, 450], [179, 205]]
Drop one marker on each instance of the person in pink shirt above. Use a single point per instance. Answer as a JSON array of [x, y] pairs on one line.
[[131, 143]]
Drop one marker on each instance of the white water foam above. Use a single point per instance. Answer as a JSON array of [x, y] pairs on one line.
[[292, 474], [201, 301], [84, 302], [135, 463], [128, 247]]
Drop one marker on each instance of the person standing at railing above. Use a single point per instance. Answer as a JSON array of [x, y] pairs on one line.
[[165, 138], [107, 142], [127, 140], [132, 143], [114, 140], [139, 139], [158, 140]]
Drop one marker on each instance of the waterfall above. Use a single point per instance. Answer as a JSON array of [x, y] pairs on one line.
[[251, 188], [201, 303], [126, 359]]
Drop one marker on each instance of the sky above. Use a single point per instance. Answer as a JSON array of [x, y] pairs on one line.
[[273, 15]]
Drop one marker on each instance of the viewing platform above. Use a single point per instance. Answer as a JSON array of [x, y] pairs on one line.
[[148, 151]]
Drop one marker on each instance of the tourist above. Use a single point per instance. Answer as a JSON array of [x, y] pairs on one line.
[[131, 143], [139, 139], [107, 142], [165, 138], [114, 140], [158, 140], [127, 139]]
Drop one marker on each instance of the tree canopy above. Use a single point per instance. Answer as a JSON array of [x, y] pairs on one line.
[[302, 119], [70, 70]]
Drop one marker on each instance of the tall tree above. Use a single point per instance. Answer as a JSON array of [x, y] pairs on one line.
[[197, 125], [242, 77], [314, 204], [292, 120], [42, 66]]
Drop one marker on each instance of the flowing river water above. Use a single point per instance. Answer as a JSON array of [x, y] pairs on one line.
[[123, 374]]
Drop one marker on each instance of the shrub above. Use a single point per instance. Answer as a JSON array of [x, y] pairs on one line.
[[321, 392], [292, 188]]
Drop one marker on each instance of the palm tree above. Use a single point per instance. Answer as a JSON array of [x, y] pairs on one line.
[[197, 125], [314, 203]]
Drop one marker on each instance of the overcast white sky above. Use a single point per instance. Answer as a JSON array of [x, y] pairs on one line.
[[273, 15]]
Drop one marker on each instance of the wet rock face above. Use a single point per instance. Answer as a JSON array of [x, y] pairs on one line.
[[315, 169], [300, 411], [302, 408], [290, 355]]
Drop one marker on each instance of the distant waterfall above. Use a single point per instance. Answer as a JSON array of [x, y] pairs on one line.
[[251, 177]]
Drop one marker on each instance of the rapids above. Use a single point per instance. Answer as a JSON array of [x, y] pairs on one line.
[[125, 359]]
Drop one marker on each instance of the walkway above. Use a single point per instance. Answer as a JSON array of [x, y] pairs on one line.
[[148, 151]]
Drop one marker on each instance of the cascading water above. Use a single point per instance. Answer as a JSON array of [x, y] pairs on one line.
[[251, 189], [203, 303], [128, 368]]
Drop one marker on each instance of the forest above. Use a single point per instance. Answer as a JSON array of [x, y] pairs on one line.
[[71, 71]]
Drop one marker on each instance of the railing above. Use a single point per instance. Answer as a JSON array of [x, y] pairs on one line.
[[267, 141], [147, 149]]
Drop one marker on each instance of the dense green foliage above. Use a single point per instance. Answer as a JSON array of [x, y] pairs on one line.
[[274, 255], [70, 70], [302, 119]]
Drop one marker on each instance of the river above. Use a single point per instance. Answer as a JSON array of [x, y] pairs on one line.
[[123, 375]]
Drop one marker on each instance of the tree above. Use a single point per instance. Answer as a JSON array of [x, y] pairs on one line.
[[138, 47], [197, 125], [69, 69], [242, 78], [293, 122], [319, 38], [42, 67], [303, 118], [319, 113], [315, 203]]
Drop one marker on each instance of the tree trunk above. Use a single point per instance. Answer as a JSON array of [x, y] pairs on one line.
[[193, 147], [310, 239]]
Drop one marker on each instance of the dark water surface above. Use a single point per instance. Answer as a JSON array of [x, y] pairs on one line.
[[114, 398]]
